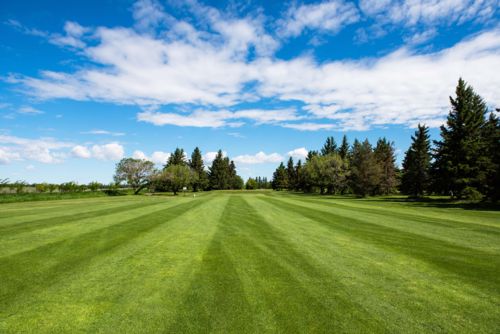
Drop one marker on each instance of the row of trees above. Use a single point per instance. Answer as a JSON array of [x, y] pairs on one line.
[[20, 187], [359, 169], [258, 183], [464, 163], [179, 173]]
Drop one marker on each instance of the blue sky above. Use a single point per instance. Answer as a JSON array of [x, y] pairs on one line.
[[82, 86]]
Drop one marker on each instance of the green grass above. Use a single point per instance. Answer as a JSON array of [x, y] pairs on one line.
[[248, 262]]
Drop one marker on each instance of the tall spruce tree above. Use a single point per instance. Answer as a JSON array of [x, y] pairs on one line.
[[290, 171], [280, 178], [196, 164], [459, 155], [365, 171], [385, 156], [218, 174], [416, 164], [299, 176], [329, 147], [491, 179], [344, 148], [311, 154], [177, 158]]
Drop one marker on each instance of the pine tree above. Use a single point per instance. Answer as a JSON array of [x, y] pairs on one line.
[[458, 156], [491, 179], [280, 180], [416, 165], [196, 164], [177, 158], [290, 170], [311, 154], [344, 148], [299, 176], [330, 146], [365, 171], [385, 156], [218, 175]]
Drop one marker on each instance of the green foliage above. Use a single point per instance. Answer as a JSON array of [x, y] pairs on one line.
[[472, 194], [94, 186], [330, 147], [251, 184], [415, 178], [280, 178], [365, 170], [344, 148], [459, 156], [196, 164], [327, 172], [178, 157], [386, 159], [176, 177], [135, 172]]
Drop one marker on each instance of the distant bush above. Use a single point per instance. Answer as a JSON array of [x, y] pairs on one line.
[[471, 194]]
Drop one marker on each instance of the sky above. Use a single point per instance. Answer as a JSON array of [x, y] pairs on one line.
[[86, 84]]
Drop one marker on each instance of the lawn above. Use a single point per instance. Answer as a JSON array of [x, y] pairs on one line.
[[248, 262]]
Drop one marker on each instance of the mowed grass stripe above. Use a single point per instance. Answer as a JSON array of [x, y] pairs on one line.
[[13, 243], [41, 208], [475, 266], [448, 221], [132, 288], [484, 238], [43, 266], [252, 280], [404, 293], [70, 218]]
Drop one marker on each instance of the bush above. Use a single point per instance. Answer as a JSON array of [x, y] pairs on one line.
[[471, 194]]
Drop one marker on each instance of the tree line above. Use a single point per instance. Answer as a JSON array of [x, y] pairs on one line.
[[179, 173], [464, 163]]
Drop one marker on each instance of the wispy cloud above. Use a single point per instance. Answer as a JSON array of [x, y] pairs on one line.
[[258, 158], [103, 132]]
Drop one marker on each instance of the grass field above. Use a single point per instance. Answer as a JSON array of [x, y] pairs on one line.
[[248, 262]]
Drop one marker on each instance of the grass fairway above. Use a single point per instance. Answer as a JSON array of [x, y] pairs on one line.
[[247, 262]]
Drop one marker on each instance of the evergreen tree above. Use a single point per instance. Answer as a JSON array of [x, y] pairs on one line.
[[290, 171], [299, 176], [491, 133], [218, 175], [459, 157], [344, 148], [330, 146], [177, 158], [416, 164], [311, 154], [280, 178], [385, 156], [365, 171], [196, 164]]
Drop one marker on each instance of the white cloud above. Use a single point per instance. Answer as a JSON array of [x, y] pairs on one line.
[[400, 88], [112, 151], [328, 16], [80, 151], [230, 60], [103, 132], [429, 12], [159, 157], [140, 155], [258, 158], [72, 37], [215, 119], [107, 152], [308, 126], [29, 110], [298, 153], [45, 150]]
